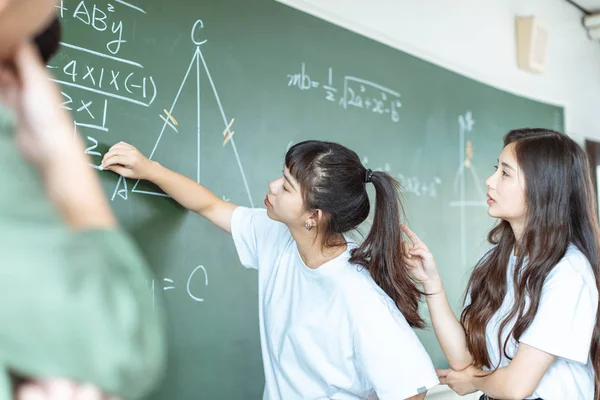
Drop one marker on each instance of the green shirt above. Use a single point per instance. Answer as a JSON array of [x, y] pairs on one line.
[[72, 304]]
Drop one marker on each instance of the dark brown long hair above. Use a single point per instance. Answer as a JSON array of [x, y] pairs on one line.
[[561, 209], [332, 180]]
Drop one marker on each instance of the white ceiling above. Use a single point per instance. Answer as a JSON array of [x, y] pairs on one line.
[[590, 5]]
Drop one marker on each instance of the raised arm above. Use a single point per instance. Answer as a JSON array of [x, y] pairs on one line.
[[448, 330], [127, 161]]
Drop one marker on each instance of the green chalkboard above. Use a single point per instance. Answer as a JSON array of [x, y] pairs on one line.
[[169, 76]]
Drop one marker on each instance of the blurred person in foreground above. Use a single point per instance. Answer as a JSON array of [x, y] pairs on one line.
[[77, 317]]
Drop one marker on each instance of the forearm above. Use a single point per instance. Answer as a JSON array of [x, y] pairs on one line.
[[520, 378], [448, 330], [182, 189], [500, 385], [75, 190]]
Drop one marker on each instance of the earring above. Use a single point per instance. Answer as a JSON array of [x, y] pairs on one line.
[[308, 226]]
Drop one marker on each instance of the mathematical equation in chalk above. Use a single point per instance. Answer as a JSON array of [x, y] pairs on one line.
[[124, 82], [196, 281], [93, 77], [414, 185], [354, 92], [103, 19]]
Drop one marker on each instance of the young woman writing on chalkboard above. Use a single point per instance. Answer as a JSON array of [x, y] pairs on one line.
[[529, 328], [336, 318]]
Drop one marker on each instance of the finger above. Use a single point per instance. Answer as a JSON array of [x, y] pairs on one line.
[[125, 145], [88, 392], [116, 160], [111, 153], [115, 150], [31, 391], [123, 171], [411, 263], [412, 267], [122, 146], [442, 373], [405, 248], [59, 388], [411, 235], [420, 252], [121, 149]]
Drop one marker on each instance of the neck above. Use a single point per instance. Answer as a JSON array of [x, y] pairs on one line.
[[311, 250], [517, 228]]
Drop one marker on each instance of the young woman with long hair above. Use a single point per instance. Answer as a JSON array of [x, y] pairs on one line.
[[529, 327]]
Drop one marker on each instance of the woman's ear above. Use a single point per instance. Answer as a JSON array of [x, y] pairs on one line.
[[313, 219], [316, 217]]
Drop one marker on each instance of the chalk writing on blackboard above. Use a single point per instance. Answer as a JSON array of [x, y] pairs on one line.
[[196, 280], [82, 80], [466, 172], [410, 184], [124, 81], [355, 93], [198, 67]]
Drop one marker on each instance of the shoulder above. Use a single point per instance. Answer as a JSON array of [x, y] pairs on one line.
[[256, 219], [245, 213], [573, 268], [573, 277], [257, 237], [365, 300], [566, 317]]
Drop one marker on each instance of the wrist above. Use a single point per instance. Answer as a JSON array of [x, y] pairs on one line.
[[154, 171], [433, 285], [478, 379]]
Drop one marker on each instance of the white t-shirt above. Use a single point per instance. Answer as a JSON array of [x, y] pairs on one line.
[[330, 332], [563, 326]]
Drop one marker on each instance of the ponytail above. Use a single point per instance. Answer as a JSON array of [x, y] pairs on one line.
[[334, 181], [381, 252]]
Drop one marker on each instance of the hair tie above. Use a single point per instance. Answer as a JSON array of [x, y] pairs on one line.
[[368, 176]]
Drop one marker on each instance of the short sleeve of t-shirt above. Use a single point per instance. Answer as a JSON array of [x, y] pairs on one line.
[[388, 351], [565, 319], [255, 235]]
